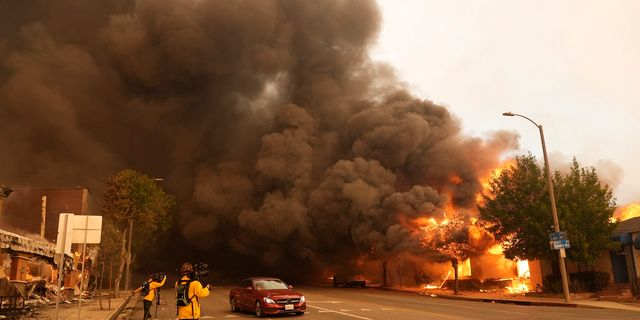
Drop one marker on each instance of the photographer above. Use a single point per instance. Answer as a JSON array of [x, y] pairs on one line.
[[148, 291], [190, 289]]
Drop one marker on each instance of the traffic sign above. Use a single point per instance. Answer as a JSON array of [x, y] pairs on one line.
[[555, 236], [560, 244]]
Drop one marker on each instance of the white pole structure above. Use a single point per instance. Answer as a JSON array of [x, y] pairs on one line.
[[61, 261], [554, 211], [43, 220]]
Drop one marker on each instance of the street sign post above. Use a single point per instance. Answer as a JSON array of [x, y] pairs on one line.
[[86, 229], [555, 236], [75, 229], [63, 246], [559, 240]]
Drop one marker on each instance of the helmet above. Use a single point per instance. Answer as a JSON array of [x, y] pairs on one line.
[[186, 268]]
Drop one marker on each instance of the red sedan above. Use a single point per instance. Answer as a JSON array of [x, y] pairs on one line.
[[266, 296]]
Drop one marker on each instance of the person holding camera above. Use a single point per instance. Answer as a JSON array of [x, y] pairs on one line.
[[148, 291], [189, 291]]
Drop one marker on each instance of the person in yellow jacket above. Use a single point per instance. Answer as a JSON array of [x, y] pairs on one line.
[[149, 288], [189, 292]]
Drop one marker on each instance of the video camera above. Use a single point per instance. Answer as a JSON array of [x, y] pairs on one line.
[[200, 270], [158, 276]]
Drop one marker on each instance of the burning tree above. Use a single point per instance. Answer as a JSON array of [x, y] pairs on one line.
[[454, 239]]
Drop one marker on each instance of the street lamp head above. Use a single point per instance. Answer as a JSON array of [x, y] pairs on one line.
[[508, 114]]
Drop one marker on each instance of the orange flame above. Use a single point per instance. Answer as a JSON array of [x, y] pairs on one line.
[[484, 180], [629, 211]]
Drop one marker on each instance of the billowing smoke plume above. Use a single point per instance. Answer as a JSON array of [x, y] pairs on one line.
[[268, 119]]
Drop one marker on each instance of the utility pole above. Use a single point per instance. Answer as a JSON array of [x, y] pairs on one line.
[[554, 211], [127, 278]]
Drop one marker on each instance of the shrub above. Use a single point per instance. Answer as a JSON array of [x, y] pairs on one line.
[[586, 281], [591, 281]]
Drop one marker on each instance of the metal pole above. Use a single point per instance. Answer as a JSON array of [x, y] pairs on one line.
[[84, 260], [554, 211], [556, 224], [127, 279]]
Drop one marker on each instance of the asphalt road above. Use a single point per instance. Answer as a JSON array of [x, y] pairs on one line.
[[373, 304]]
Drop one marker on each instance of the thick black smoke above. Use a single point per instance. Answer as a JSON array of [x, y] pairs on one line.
[[280, 136]]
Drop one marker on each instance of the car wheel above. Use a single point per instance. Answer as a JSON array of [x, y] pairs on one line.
[[259, 313], [233, 305]]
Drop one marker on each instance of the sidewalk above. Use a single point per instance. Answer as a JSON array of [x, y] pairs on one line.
[[521, 299], [134, 310], [90, 309]]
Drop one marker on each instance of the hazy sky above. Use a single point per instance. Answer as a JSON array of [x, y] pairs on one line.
[[572, 66]]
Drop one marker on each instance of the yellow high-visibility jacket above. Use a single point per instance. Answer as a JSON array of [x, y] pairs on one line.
[[196, 291], [152, 286]]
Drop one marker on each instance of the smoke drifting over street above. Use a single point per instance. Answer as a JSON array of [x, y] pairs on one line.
[[268, 119]]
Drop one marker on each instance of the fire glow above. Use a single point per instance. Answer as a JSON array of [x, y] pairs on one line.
[[627, 212], [515, 274]]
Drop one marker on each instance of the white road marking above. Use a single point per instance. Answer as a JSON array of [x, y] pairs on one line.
[[345, 310], [207, 317], [342, 313], [388, 309], [364, 309], [328, 301], [230, 316]]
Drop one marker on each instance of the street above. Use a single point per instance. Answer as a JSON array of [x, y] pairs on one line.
[[374, 304]]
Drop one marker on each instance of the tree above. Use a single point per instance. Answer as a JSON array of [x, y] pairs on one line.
[[112, 242], [132, 198], [452, 241], [516, 210], [586, 205]]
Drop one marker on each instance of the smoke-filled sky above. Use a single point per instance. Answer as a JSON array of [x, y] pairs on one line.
[[570, 65], [280, 134]]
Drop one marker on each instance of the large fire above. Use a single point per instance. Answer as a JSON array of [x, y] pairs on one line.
[[629, 211], [495, 266], [484, 180]]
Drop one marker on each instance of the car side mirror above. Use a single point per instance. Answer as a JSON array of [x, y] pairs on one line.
[[249, 288], [290, 287]]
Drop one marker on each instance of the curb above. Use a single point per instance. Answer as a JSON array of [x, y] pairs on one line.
[[507, 301], [114, 315], [519, 302]]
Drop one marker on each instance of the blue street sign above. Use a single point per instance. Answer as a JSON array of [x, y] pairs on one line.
[[555, 236], [560, 244]]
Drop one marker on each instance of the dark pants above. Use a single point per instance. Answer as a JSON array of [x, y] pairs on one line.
[[147, 309]]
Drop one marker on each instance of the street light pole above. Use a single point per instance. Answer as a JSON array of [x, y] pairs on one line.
[[554, 211]]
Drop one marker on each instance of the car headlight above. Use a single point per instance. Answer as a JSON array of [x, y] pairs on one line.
[[268, 300], [302, 299]]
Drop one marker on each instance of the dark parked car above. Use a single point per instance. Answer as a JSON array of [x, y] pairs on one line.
[[352, 281], [266, 296]]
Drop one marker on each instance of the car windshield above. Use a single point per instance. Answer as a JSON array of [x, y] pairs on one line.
[[270, 285]]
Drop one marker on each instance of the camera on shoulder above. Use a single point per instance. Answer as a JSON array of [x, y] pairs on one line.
[[200, 270], [158, 276]]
